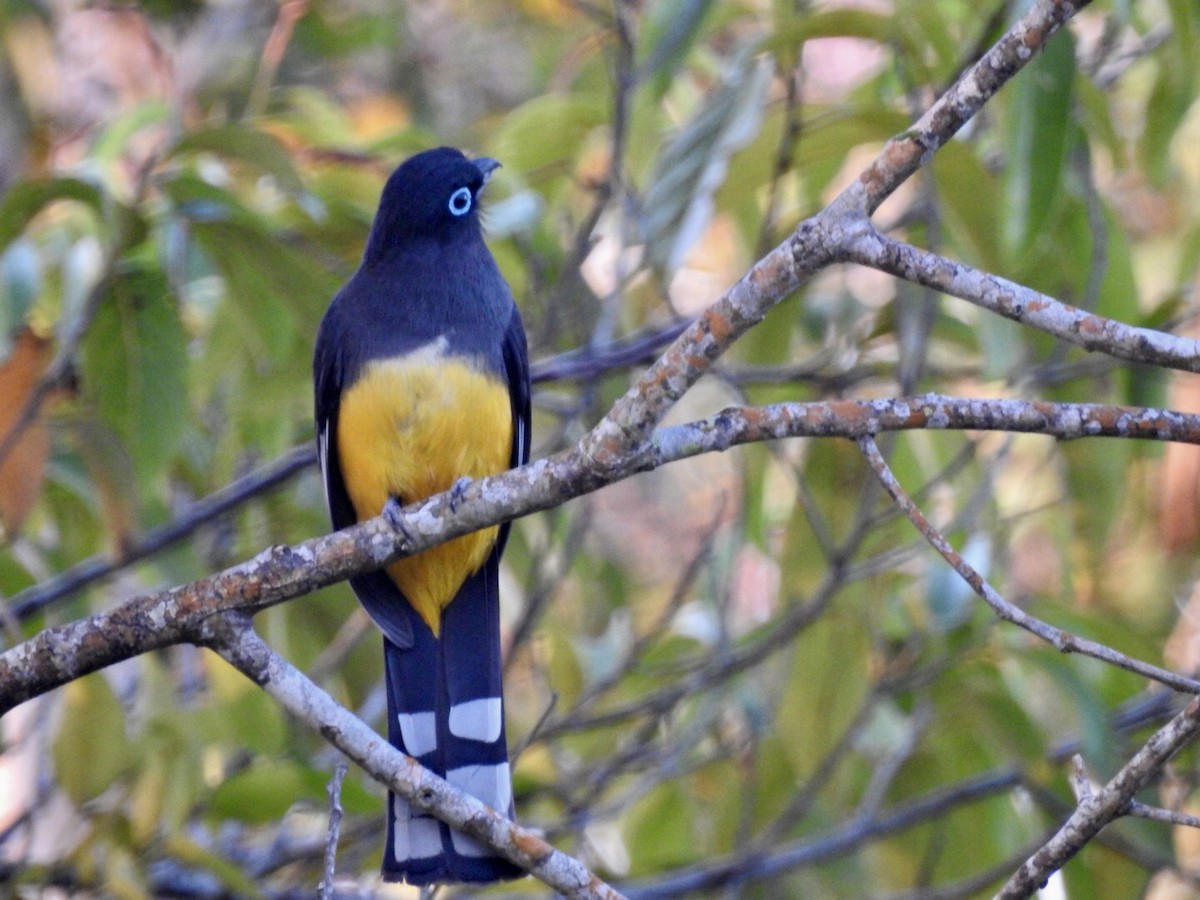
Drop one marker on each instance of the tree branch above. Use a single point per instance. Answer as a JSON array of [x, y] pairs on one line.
[[1103, 806], [1022, 304], [1061, 640], [29, 601], [159, 619], [235, 640]]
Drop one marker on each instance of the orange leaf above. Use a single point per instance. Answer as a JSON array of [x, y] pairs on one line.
[[23, 468]]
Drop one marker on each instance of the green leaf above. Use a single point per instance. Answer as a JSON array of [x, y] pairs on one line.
[[660, 828], [230, 874], [196, 199], [1076, 698], [313, 116], [970, 197], [245, 144], [253, 721], [20, 284], [949, 599], [28, 198], [1097, 122], [1172, 94], [265, 282], [829, 138], [670, 30], [679, 205], [858, 23], [566, 671], [134, 361], [1169, 101], [1098, 477], [91, 749], [926, 36], [122, 225], [1037, 142], [1118, 296], [266, 789], [563, 120], [113, 141]]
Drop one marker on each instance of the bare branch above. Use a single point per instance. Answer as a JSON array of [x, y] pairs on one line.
[[1082, 787], [234, 639], [1022, 304], [335, 824], [1061, 640], [200, 513], [1103, 806], [1141, 810], [858, 418], [150, 621]]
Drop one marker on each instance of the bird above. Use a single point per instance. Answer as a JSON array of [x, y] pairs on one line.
[[421, 380]]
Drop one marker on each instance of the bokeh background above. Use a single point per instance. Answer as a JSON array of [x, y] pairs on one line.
[[742, 673]]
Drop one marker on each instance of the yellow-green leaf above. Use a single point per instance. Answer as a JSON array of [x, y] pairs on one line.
[[91, 749]]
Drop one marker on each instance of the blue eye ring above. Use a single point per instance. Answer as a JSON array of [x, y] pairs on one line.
[[460, 202]]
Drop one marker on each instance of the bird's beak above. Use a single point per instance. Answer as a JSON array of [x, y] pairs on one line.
[[486, 166]]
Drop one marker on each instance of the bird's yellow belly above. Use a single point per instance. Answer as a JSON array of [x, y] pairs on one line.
[[410, 428]]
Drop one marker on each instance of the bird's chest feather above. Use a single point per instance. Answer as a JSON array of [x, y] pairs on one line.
[[410, 427]]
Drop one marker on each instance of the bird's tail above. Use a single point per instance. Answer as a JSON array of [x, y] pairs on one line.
[[446, 709]]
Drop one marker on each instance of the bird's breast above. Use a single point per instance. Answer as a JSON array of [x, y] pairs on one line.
[[410, 427]]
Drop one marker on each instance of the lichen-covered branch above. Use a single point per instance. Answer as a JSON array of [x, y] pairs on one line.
[[857, 418], [1105, 805], [1023, 304], [159, 619], [234, 639]]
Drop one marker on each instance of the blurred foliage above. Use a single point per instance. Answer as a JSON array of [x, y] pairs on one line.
[[742, 659]]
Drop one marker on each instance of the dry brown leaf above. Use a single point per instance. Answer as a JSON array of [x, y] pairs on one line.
[[1182, 650], [1179, 494], [23, 468]]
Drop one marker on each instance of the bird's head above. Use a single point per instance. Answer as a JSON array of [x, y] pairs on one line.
[[431, 196]]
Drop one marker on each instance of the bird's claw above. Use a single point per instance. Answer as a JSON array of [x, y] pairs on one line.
[[393, 511], [457, 491]]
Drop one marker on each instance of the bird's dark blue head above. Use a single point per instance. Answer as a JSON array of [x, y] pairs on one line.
[[433, 196]]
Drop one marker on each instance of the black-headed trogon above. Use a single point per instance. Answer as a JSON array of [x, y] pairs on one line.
[[421, 378]]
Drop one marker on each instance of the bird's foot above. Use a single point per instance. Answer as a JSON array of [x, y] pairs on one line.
[[457, 491], [393, 511]]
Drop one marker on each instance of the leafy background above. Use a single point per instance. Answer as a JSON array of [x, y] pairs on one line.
[[743, 660]]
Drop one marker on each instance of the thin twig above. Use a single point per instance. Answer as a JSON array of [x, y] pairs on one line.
[[290, 12], [1061, 640], [1022, 304], [593, 360], [73, 578], [335, 824], [1140, 810], [1101, 807]]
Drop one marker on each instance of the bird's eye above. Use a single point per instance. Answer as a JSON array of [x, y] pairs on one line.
[[460, 201]]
